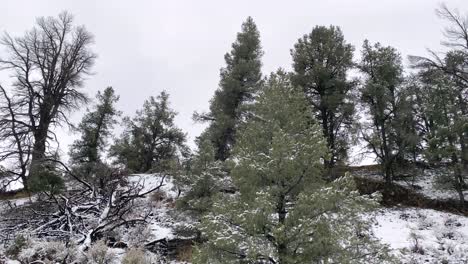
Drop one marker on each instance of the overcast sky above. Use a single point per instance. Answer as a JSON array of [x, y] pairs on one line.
[[145, 47]]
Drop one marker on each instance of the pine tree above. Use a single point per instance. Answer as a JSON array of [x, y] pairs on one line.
[[389, 134], [151, 138], [95, 129], [285, 212], [444, 127], [321, 62], [86, 153], [445, 108], [240, 80], [205, 179]]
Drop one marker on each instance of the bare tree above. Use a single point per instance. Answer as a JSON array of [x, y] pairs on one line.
[[16, 140], [457, 33], [48, 64]]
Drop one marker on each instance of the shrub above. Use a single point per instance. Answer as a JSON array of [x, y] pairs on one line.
[[184, 253], [46, 180], [158, 196], [99, 254], [416, 247], [136, 256], [45, 252], [138, 234], [18, 245]]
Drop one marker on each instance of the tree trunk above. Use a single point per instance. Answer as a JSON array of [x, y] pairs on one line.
[[281, 245], [464, 152], [148, 162], [460, 184], [39, 148], [388, 173], [328, 163], [387, 164]]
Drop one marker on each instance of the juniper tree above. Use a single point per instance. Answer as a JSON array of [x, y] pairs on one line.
[[389, 133], [240, 80], [454, 66], [443, 127], [321, 61], [443, 102], [150, 139], [284, 211]]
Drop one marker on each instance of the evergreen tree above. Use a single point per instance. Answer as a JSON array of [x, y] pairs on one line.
[[445, 127], [285, 212], [390, 133], [86, 153], [240, 80], [321, 62], [205, 179], [446, 105], [95, 129], [150, 139]]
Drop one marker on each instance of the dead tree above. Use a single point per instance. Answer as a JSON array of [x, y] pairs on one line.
[[84, 215], [16, 141], [48, 64]]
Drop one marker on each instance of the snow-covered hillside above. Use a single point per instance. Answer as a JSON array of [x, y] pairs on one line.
[[427, 182], [415, 235], [156, 234], [423, 235]]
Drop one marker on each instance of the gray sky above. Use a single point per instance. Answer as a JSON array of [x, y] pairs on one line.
[[147, 46]]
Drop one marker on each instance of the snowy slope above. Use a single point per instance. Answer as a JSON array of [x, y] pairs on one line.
[[161, 227], [415, 235], [426, 182], [424, 235]]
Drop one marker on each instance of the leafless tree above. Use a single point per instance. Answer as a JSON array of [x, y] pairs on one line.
[[456, 38], [16, 141], [48, 66]]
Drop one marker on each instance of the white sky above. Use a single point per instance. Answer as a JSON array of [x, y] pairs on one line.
[[147, 46]]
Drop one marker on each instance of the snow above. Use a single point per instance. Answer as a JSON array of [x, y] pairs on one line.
[[440, 235], [12, 203], [12, 185], [392, 230], [161, 232], [150, 181], [423, 182], [426, 180], [162, 226]]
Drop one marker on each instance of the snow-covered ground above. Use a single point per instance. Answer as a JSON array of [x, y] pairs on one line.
[[8, 184], [426, 182], [161, 224], [161, 227], [423, 235], [429, 184], [414, 235], [153, 180]]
